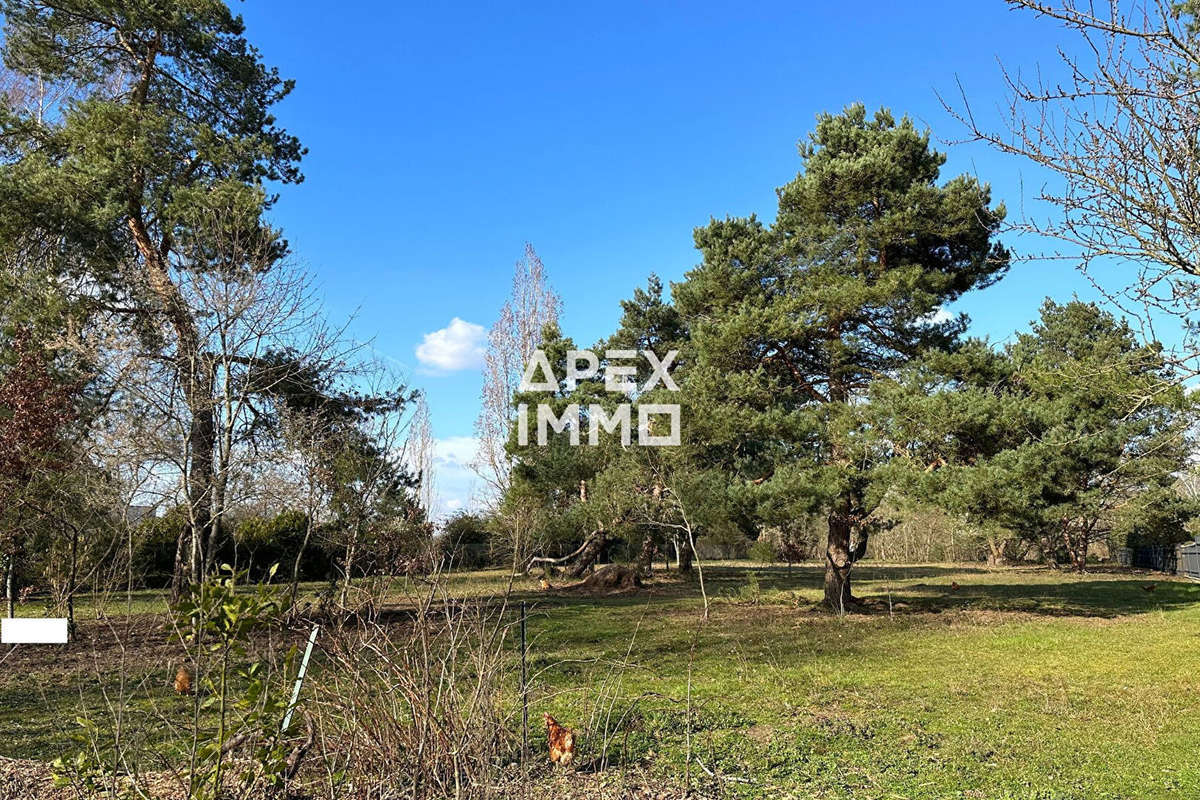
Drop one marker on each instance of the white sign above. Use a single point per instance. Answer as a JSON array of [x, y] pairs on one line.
[[25, 630]]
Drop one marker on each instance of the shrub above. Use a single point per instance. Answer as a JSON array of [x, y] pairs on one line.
[[763, 551], [466, 541]]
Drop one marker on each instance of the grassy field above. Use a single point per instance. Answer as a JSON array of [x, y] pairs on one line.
[[1019, 683]]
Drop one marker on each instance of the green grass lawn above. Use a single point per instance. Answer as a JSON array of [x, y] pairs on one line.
[[1021, 683]]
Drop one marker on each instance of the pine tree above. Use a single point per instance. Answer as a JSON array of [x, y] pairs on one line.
[[1072, 434], [168, 126], [792, 323]]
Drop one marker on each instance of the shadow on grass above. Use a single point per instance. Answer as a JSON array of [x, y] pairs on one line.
[[1073, 598], [924, 589]]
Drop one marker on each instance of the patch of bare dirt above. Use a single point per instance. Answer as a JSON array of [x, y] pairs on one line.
[[570, 784], [29, 780], [146, 637]]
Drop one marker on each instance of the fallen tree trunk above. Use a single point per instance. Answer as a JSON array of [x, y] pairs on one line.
[[609, 578], [595, 541]]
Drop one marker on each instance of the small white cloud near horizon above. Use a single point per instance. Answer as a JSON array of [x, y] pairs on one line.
[[457, 346], [458, 450], [456, 481]]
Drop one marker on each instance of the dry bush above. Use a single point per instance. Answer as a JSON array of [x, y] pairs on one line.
[[422, 703]]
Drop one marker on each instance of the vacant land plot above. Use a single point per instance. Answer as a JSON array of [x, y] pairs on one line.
[[952, 681]]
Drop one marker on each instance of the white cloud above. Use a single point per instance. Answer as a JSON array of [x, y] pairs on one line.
[[456, 481], [456, 450], [457, 346], [938, 317]]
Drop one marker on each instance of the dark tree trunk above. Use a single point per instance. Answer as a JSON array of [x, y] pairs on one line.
[[838, 559], [1078, 550], [71, 578], [195, 376], [1076, 546], [646, 557], [591, 551], [685, 556], [200, 475]]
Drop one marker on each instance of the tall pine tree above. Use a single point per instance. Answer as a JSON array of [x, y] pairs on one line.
[[169, 126], [791, 323], [1074, 433]]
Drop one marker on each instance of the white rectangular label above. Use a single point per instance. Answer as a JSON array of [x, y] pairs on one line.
[[23, 630]]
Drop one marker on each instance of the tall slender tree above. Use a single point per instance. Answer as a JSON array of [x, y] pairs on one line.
[[174, 127], [512, 340], [420, 449]]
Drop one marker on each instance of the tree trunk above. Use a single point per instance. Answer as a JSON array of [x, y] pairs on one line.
[[838, 561], [349, 565], [838, 558], [646, 558], [195, 378], [71, 578], [591, 551], [9, 596], [200, 477], [1076, 547], [1081, 559], [996, 555], [299, 555], [684, 556], [214, 523]]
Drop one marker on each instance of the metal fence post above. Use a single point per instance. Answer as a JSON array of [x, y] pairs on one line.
[[524, 692], [287, 718]]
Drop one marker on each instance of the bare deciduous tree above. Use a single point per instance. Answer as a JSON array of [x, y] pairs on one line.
[[420, 449], [1120, 137], [303, 476], [512, 340]]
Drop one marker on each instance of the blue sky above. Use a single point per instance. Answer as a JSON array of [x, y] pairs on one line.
[[442, 137]]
